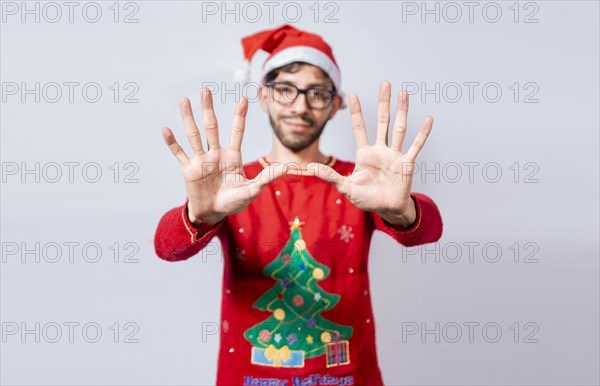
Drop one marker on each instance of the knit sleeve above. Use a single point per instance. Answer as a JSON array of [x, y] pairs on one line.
[[176, 238], [427, 227]]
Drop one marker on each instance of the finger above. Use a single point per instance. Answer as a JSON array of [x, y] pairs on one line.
[[399, 129], [210, 120], [191, 130], [268, 174], [174, 146], [358, 123], [383, 112], [419, 141], [327, 174], [239, 124]]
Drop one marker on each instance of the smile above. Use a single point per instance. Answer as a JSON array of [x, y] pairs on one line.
[[297, 126]]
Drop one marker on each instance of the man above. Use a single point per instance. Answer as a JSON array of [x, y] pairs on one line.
[[296, 224]]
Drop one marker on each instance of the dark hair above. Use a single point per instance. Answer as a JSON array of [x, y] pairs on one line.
[[293, 68]]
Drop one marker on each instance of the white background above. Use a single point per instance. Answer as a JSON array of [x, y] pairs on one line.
[[171, 51]]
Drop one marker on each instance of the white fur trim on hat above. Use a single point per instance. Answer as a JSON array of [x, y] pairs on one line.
[[309, 55], [303, 54]]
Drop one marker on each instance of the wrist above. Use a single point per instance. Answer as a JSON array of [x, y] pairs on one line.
[[402, 220], [202, 221]]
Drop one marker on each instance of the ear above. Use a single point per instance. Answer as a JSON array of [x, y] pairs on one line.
[[336, 103], [263, 93]]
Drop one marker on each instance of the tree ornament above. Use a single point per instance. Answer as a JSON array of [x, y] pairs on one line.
[[291, 338], [265, 335], [298, 300], [279, 314], [287, 259], [318, 273]]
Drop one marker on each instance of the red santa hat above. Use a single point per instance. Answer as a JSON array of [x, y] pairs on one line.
[[285, 45]]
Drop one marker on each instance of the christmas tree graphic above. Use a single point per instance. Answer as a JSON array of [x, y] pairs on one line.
[[295, 331]]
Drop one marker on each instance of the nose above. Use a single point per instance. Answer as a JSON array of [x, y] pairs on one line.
[[300, 105]]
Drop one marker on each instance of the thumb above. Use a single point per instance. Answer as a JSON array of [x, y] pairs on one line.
[[268, 174], [327, 174]]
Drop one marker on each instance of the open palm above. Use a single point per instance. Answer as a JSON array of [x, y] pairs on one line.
[[214, 179], [382, 177]]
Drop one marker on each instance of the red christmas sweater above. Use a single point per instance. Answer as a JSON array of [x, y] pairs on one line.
[[296, 304]]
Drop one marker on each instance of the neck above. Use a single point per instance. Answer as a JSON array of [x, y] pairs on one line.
[[283, 155]]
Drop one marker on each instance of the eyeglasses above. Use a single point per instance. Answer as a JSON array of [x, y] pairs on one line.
[[317, 97]]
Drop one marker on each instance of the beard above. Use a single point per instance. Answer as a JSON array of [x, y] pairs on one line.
[[297, 142]]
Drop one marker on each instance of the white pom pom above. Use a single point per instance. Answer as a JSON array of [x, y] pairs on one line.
[[242, 74]]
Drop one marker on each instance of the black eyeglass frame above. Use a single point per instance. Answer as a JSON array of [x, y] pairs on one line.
[[332, 91]]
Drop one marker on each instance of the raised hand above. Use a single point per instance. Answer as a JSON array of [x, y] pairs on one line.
[[214, 179], [382, 177]]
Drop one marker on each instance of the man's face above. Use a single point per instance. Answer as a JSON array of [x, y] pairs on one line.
[[295, 124]]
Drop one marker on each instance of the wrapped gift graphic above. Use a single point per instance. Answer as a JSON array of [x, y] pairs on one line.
[[277, 357], [338, 353]]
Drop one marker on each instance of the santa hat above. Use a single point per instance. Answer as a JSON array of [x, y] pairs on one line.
[[285, 45]]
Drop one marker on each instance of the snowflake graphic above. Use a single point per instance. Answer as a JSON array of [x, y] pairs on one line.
[[345, 233]]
